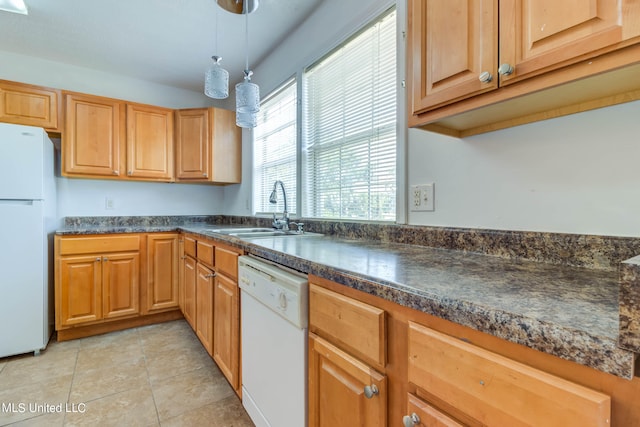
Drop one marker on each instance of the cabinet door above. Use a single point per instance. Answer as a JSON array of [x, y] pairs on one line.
[[162, 272], [451, 44], [149, 142], [190, 278], [226, 141], [120, 285], [204, 306], [192, 144], [337, 384], [91, 142], [226, 330], [541, 35], [80, 290], [29, 105]]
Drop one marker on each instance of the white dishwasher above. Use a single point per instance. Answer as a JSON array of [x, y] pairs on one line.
[[274, 305]]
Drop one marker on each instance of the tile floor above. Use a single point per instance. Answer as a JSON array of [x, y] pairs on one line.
[[158, 375]]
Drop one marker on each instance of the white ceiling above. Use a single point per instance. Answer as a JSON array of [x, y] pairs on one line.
[[164, 41]]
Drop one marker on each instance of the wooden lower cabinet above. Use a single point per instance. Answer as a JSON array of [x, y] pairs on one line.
[[438, 373], [162, 273], [96, 279], [204, 306], [343, 391], [226, 328], [490, 389], [189, 282]]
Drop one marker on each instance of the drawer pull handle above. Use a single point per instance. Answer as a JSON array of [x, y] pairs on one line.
[[371, 390], [411, 420], [210, 275]]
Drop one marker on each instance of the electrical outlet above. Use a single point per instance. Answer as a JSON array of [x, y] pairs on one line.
[[422, 198], [109, 203]]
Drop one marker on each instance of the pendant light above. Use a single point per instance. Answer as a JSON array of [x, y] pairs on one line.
[[216, 78], [247, 93]]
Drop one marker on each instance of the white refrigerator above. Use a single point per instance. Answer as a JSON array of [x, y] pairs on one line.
[[27, 223]]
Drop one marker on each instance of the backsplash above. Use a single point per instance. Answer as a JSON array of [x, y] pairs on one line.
[[578, 250]]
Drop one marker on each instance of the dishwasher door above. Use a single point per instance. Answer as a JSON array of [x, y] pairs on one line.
[[274, 355]]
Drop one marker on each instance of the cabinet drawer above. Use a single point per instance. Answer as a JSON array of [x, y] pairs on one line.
[[205, 253], [227, 262], [425, 415], [495, 390], [190, 246], [352, 325], [102, 244]]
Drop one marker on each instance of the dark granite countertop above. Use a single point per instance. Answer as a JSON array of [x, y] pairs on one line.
[[570, 312]]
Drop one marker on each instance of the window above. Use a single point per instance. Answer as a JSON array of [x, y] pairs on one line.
[[275, 150], [349, 139]]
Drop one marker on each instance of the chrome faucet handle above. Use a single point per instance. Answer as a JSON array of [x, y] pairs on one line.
[[300, 226]]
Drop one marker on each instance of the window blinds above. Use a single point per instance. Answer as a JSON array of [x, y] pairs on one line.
[[274, 150], [349, 139]]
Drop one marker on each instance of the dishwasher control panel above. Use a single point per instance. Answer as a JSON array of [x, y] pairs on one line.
[[282, 291]]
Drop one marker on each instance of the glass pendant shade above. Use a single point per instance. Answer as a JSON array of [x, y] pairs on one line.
[[247, 95], [216, 80], [246, 120]]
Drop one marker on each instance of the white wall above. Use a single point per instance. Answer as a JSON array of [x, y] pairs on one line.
[[80, 197], [28, 69], [87, 197], [574, 174]]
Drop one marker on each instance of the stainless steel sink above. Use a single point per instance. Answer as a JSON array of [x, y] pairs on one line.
[[252, 233], [274, 233], [233, 231]]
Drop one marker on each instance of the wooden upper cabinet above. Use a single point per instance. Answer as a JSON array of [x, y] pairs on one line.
[[192, 144], [149, 142], [208, 146], [539, 35], [92, 142], [30, 105], [452, 43], [476, 66]]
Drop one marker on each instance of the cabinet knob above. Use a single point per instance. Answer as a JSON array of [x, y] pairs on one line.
[[205, 174], [116, 172], [105, 259], [370, 391], [411, 420], [129, 172], [485, 77], [211, 275], [98, 259], [505, 69]]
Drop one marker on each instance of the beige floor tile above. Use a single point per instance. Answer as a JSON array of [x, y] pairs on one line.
[[128, 408], [53, 419], [227, 412], [188, 391], [133, 377], [170, 363], [27, 400], [35, 369], [95, 383], [108, 356]]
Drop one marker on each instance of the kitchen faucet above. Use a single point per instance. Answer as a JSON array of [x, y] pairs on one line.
[[282, 223]]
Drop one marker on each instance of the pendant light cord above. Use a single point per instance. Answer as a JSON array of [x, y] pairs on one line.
[[246, 11]]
